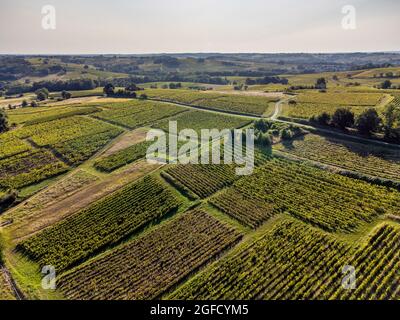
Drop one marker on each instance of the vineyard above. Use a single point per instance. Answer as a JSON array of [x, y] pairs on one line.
[[103, 223], [30, 116], [75, 139], [29, 167], [307, 110], [291, 261], [314, 104], [148, 266], [248, 211], [10, 145], [341, 98], [254, 105], [203, 179], [198, 120], [327, 200], [136, 113], [122, 157], [374, 160], [377, 268]]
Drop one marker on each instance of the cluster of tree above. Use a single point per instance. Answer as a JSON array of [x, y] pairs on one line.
[[53, 86], [264, 131], [300, 87], [391, 128], [42, 94], [266, 80], [366, 123], [128, 92], [3, 121], [5, 202], [169, 77], [172, 85], [320, 84], [13, 68], [167, 61], [239, 87], [387, 75], [387, 84]]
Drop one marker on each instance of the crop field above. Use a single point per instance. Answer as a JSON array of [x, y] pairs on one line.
[[249, 211], [329, 201], [57, 192], [307, 110], [75, 139], [136, 113], [104, 223], [344, 99], [197, 120], [43, 114], [36, 152], [374, 161], [122, 157], [79, 190], [204, 179], [148, 266], [29, 167], [253, 105], [291, 261], [11, 145], [377, 268], [313, 104]]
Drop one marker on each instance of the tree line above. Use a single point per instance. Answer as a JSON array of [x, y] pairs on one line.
[[367, 123]]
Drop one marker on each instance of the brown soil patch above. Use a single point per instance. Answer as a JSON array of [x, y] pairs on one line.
[[66, 207], [127, 140]]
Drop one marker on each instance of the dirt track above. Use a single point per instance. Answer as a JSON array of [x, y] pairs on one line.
[[66, 207]]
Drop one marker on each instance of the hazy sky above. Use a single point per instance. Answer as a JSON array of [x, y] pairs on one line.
[[154, 26]]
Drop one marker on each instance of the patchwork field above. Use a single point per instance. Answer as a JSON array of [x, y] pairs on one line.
[[77, 193], [106, 222], [135, 113], [30, 116], [289, 262], [329, 201], [254, 105], [372, 160], [197, 120], [148, 266]]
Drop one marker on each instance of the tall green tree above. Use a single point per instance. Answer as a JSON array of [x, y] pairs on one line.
[[368, 121], [109, 89], [343, 118], [320, 84], [3, 121]]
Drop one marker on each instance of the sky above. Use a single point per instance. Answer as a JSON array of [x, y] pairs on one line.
[[175, 26]]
